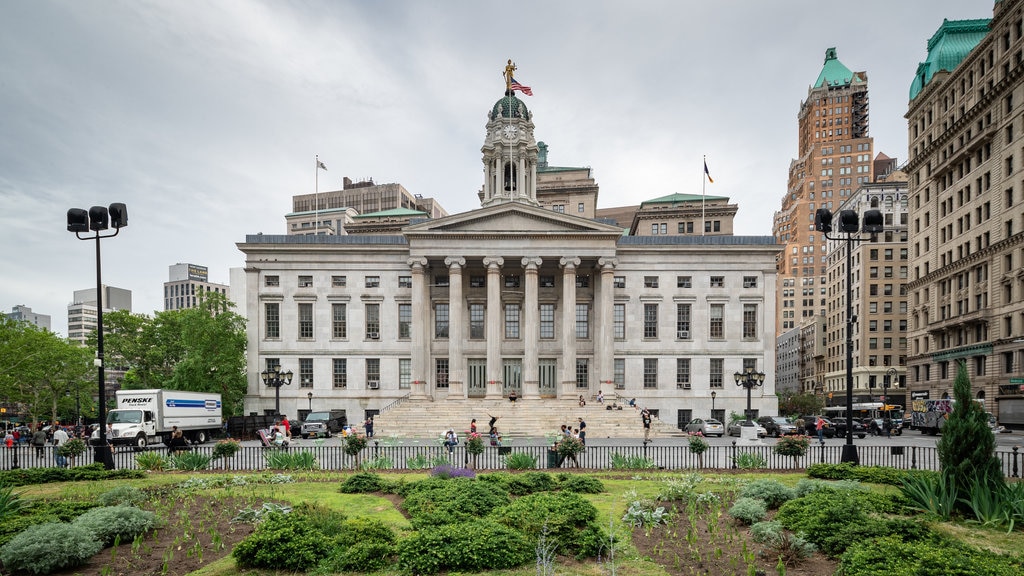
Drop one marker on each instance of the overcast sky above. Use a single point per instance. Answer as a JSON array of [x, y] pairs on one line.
[[205, 117]]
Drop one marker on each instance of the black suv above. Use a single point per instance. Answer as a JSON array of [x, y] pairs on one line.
[[839, 424]]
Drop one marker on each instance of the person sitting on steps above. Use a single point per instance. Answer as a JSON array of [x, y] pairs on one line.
[[583, 402]]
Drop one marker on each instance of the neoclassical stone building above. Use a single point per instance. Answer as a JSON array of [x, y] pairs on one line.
[[528, 293]]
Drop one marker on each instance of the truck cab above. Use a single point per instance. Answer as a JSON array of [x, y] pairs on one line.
[[323, 423], [131, 426]]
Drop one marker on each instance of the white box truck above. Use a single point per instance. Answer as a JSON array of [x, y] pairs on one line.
[[145, 417]]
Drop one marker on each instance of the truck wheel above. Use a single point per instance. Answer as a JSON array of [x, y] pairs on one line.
[[200, 437], [141, 442]]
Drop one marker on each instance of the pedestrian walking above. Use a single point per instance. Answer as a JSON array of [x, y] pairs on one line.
[[39, 441], [59, 438], [820, 426], [583, 432], [368, 425], [645, 417]]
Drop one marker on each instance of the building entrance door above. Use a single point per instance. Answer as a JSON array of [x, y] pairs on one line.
[[476, 378], [546, 375]]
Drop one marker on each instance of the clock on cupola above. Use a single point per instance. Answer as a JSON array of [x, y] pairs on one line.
[[510, 150]]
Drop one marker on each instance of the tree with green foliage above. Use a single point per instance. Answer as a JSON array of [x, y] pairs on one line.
[[967, 447], [800, 403]]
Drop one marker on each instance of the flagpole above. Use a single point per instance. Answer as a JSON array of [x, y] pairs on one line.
[[703, 184], [316, 195]]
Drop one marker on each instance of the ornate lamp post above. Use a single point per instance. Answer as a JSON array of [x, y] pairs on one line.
[[749, 380], [274, 377], [713, 394], [96, 219], [889, 375], [309, 395]]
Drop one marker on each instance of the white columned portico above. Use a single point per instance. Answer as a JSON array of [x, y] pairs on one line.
[[569, 266], [531, 323], [456, 369], [494, 324], [606, 337], [420, 343]]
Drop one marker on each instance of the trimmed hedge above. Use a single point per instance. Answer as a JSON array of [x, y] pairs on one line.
[[26, 476], [470, 546]]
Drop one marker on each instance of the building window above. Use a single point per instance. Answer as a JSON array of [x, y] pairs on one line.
[[512, 281], [404, 320], [715, 373], [716, 325], [339, 320], [441, 372], [373, 321], [650, 281], [718, 281], [404, 373], [684, 282], [619, 282], [305, 320], [305, 281], [512, 321], [305, 372], [405, 281], [619, 373], [372, 372], [271, 281], [476, 321], [546, 281], [441, 281], [750, 321], [750, 281], [650, 372], [683, 373], [440, 321], [272, 316], [478, 281], [582, 281], [650, 320], [373, 281], [582, 321], [339, 281], [582, 373], [619, 321], [683, 321], [580, 208], [340, 376]]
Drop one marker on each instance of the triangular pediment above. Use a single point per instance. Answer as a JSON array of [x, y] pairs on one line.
[[512, 217]]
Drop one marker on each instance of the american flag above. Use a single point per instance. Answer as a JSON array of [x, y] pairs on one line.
[[524, 89]]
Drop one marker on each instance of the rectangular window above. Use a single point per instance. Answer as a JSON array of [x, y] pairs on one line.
[[404, 373], [619, 321], [272, 316], [716, 325], [718, 281], [684, 282], [373, 372], [650, 281], [339, 281], [373, 321], [750, 321], [715, 373], [582, 373], [512, 321], [750, 281], [405, 281], [339, 320], [305, 372], [650, 320], [273, 364], [582, 321], [580, 208], [476, 321], [619, 371], [272, 281], [683, 321], [683, 373], [478, 281], [373, 281], [650, 372], [512, 281], [546, 281], [340, 376], [441, 281], [620, 281], [404, 320], [440, 321], [305, 281], [582, 281], [441, 372], [305, 320]]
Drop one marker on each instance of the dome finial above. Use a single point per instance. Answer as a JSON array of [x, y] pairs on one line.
[[509, 69]]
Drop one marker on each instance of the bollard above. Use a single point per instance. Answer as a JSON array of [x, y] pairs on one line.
[[913, 457], [1015, 448], [734, 454]]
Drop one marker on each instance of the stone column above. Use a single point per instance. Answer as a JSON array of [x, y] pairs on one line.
[[531, 329], [456, 320], [569, 266], [494, 326], [605, 345], [419, 341]]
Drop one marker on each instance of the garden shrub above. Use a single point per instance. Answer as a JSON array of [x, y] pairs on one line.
[[580, 484], [452, 500], [772, 492], [805, 486], [109, 523], [681, 488], [565, 516], [378, 463], [46, 548], [41, 512], [152, 461], [471, 546], [362, 482], [872, 474], [529, 482], [363, 545], [26, 476], [645, 513], [190, 461], [631, 462], [123, 496], [288, 460], [450, 471], [790, 548], [934, 554], [283, 542], [750, 460], [748, 510], [11, 502], [766, 532], [327, 521], [520, 461]]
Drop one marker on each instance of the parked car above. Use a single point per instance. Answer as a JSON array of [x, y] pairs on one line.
[[733, 429], [810, 430], [706, 426], [839, 426], [778, 426]]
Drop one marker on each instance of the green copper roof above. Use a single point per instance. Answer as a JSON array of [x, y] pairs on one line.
[[834, 73], [678, 198], [400, 212], [950, 44], [509, 107]]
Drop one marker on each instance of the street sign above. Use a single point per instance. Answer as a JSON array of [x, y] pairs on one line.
[[1016, 380]]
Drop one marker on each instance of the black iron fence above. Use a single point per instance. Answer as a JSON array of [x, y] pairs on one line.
[[389, 457]]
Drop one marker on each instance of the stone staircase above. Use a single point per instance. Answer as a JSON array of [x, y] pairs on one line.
[[533, 418]]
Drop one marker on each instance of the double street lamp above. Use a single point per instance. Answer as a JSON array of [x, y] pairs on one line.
[[81, 221], [749, 379], [274, 377], [849, 224]]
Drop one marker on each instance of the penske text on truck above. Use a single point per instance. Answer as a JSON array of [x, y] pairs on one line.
[[145, 417]]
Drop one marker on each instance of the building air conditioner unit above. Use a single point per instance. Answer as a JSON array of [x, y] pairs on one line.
[[684, 334], [373, 384], [374, 335]]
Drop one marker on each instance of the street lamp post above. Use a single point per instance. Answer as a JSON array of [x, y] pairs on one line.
[[96, 219], [713, 394], [749, 380], [274, 377], [849, 225], [889, 375], [309, 395]]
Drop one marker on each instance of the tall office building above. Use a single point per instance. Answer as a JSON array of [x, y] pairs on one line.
[[23, 313], [966, 125], [367, 207], [185, 285], [835, 157], [82, 310]]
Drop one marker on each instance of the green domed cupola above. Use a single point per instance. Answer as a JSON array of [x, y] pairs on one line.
[[509, 107]]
